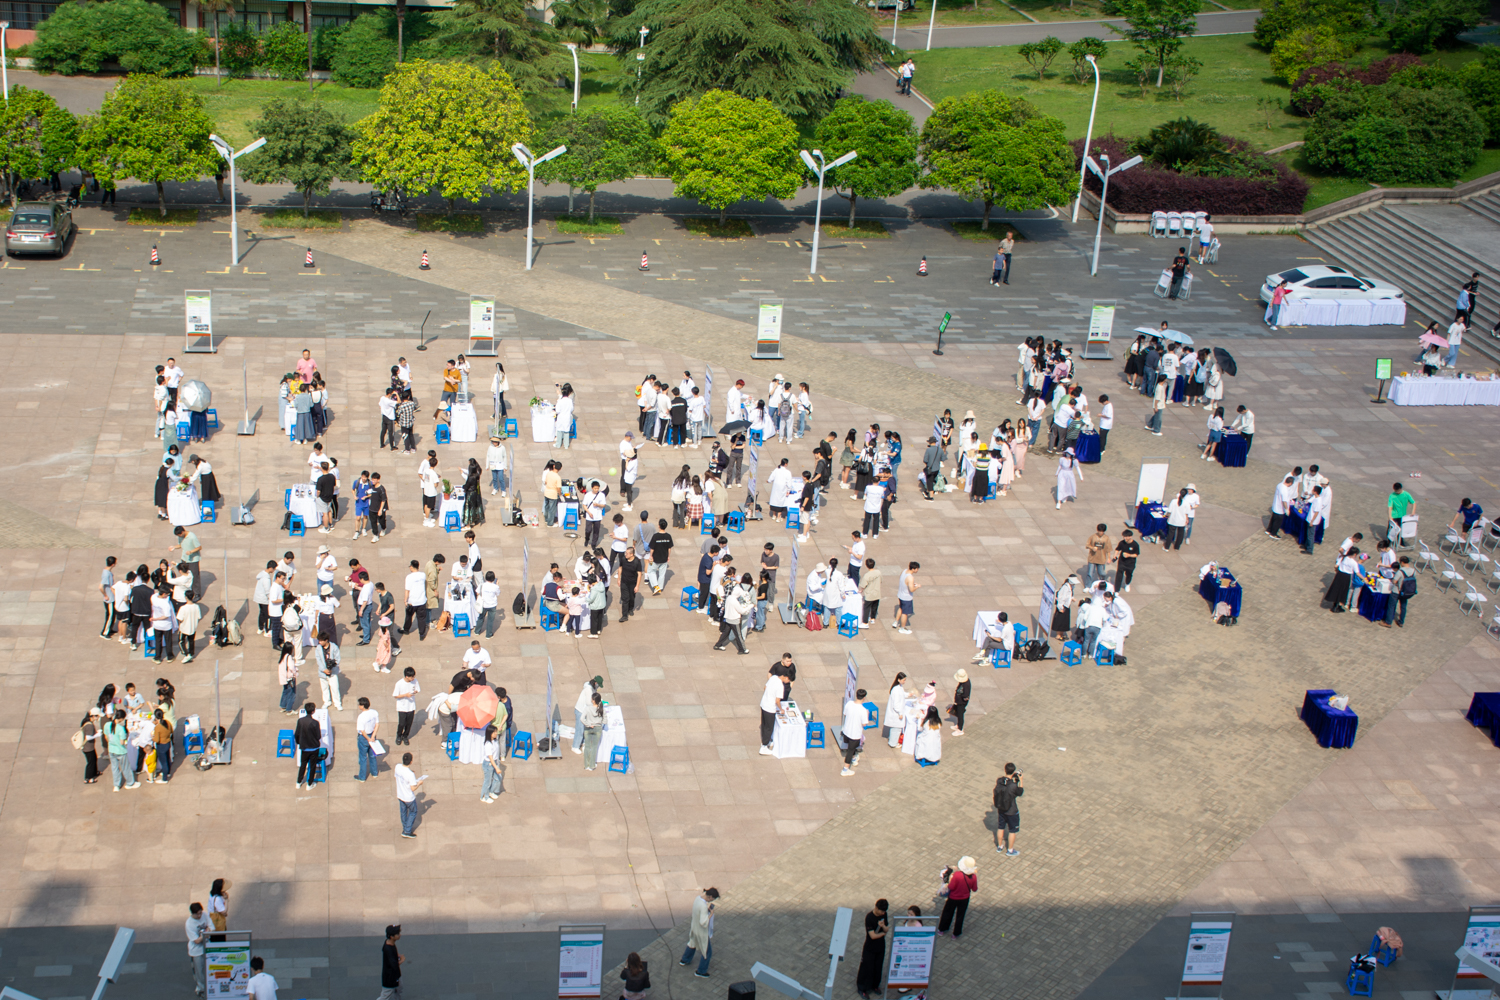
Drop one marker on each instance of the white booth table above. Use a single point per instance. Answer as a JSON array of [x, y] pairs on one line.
[[1420, 390], [1296, 311], [613, 734], [982, 621], [454, 502], [470, 745], [305, 504], [543, 423], [789, 734], [183, 508], [463, 424]]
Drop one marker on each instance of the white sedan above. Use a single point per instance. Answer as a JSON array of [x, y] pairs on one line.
[[1325, 281]]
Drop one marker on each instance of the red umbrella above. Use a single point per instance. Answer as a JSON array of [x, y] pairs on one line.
[[477, 706]]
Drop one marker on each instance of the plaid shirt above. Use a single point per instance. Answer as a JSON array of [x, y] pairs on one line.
[[406, 413]]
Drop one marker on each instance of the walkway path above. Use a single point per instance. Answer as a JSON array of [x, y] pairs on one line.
[[914, 38]]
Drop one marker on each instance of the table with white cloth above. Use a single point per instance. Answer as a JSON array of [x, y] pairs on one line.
[[543, 423], [789, 734], [470, 745], [1388, 312], [305, 504], [613, 734], [1342, 312], [982, 621], [454, 502], [1422, 390], [183, 506], [463, 425]]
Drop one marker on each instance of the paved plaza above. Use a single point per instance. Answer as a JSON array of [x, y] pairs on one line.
[[1180, 782]]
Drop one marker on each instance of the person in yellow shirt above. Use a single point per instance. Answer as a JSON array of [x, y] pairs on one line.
[[452, 380], [551, 492]]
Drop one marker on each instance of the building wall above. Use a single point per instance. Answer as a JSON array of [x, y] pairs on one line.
[[25, 15]]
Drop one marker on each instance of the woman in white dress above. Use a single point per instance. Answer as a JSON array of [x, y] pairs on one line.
[[1006, 460], [1213, 386], [1069, 473], [895, 711], [930, 738]]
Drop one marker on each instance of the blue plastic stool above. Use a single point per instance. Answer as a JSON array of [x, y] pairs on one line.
[[872, 715], [735, 521], [207, 514], [213, 418], [707, 524], [442, 435], [1021, 631], [184, 431], [287, 501], [284, 744], [1361, 981], [296, 528], [849, 626], [689, 598], [512, 429], [1383, 954], [551, 620], [1104, 656], [1000, 658], [619, 760], [461, 625], [521, 747], [450, 744], [150, 641], [1072, 654], [794, 517], [570, 520], [816, 738], [451, 522], [193, 742], [757, 438], [993, 493], [320, 769]]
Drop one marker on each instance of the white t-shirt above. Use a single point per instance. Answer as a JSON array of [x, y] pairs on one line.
[[477, 659], [367, 721], [416, 588], [564, 412], [697, 409], [430, 480], [854, 720], [816, 581], [405, 779], [366, 594], [1106, 416], [122, 595], [585, 699], [405, 694], [1190, 503], [594, 505], [489, 594], [772, 694], [857, 553], [1205, 232], [261, 987], [327, 568], [874, 497], [621, 537]]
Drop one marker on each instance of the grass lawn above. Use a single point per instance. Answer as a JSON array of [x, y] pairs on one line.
[[599, 78], [863, 229], [460, 222], [238, 102], [153, 217], [292, 218], [603, 225], [733, 229]]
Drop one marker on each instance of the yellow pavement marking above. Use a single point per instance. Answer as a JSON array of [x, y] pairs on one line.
[[7, 266], [831, 281], [657, 242], [314, 273], [783, 243], [226, 232], [248, 271], [1310, 258], [806, 280], [887, 280], [164, 232], [225, 271], [80, 267], [591, 239], [92, 231]]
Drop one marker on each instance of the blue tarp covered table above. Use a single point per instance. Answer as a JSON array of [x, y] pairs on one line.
[[1334, 728], [1047, 385], [1221, 587], [1086, 449], [1372, 604], [1295, 523], [1484, 712], [1232, 451], [1150, 519]]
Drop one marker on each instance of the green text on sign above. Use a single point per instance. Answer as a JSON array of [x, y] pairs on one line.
[[1382, 368], [943, 326]]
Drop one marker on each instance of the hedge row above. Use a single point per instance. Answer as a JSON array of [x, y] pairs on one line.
[[1307, 102], [1144, 188]]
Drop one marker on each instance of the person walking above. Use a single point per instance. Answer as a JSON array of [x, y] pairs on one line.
[[407, 784], [701, 931], [1180, 271], [1098, 548], [1069, 474], [1007, 790], [308, 735], [961, 886], [391, 961], [906, 592], [872, 956], [961, 694], [1007, 247], [1158, 406], [366, 725], [197, 928], [853, 731], [493, 753]]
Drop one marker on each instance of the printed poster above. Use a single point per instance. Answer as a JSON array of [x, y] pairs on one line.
[[1049, 602], [199, 308], [228, 965], [911, 957], [1101, 323], [1482, 938], [1207, 953], [768, 329], [580, 964]]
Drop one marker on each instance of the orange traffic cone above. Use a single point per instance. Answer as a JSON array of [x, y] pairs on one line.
[[309, 261], [155, 257], [425, 265], [645, 264], [922, 268]]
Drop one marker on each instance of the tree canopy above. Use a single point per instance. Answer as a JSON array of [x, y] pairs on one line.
[[307, 146], [151, 129], [1157, 28], [885, 138], [723, 148], [529, 50], [609, 143], [37, 137]]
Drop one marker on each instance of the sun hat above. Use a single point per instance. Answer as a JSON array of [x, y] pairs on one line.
[[961, 676], [326, 590], [385, 621], [966, 865], [322, 550]]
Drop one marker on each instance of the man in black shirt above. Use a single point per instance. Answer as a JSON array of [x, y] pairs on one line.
[[390, 964], [1179, 271], [661, 546], [1007, 790], [309, 738], [380, 506], [630, 581], [1126, 553], [826, 446], [327, 486], [140, 605], [705, 576], [679, 418]]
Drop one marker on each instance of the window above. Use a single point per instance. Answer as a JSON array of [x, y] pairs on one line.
[[25, 16], [1293, 276], [32, 219], [1325, 283]]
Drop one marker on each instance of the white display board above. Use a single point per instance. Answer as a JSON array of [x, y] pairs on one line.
[[198, 315], [580, 963], [1207, 951], [1049, 603], [481, 326], [1101, 325], [1482, 937], [768, 330], [912, 941], [227, 963], [1151, 486]]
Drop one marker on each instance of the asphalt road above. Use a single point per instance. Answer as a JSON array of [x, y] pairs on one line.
[[959, 36]]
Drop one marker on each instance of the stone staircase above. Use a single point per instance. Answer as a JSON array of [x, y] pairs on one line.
[[1430, 270]]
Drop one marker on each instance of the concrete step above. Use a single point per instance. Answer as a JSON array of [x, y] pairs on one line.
[[1486, 205]]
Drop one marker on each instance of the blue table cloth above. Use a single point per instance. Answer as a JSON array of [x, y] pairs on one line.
[[1372, 604], [1232, 451], [1179, 389], [1295, 523], [1150, 519], [1334, 728], [1047, 385], [1213, 589], [1484, 712], [1086, 449]]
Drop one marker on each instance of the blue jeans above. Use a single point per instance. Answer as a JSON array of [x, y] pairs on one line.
[[1036, 427], [549, 511], [289, 696], [1452, 355], [164, 760], [408, 816], [708, 953], [1156, 421], [368, 765], [119, 770], [491, 781], [1090, 636], [802, 423], [760, 615], [499, 480], [486, 621], [367, 621], [577, 730]]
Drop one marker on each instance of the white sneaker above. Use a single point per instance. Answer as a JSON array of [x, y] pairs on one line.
[[904, 631], [626, 507], [846, 772], [864, 624], [577, 751], [766, 752]]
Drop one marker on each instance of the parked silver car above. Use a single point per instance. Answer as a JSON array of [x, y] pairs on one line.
[[39, 227]]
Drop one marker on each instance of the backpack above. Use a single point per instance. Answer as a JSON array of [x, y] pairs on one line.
[[518, 606], [218, 630], [1005, 796], [235, 635], [78, 739], [1035, 650], [814, 623], [1408, 586]]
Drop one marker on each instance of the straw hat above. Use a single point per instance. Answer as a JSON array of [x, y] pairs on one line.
[[966, 865], [961, 676], [326, 590], [322, 550], [385, 621]]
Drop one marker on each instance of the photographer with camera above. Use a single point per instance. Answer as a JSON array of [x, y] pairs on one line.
[[1007, 790]]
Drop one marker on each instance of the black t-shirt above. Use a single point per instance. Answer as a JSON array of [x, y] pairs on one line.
[[1129, 549], [377, 500], [462, 681], [630, 573], [390, 966], [823, 471], [327, 483], [659, 544], [1179, 265], [872, 925], [825, 449], [140, 599], [679, 412], [763, 590]]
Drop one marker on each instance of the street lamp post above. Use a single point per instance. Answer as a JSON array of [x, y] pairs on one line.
[[530, 162], [4, 70], [227, 152], [1088, 136], [573, 48], [930, 22], [640, 59], [1104, 175], [820, 168], [895, 24]]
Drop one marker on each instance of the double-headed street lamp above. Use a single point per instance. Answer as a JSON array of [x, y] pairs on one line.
[[820, 168], [229, 155], [640, 60], [1104, 175], [530, 162], [1088, 136]]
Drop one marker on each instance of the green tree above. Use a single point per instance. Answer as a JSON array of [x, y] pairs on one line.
[[141, 36], [1080, 50], [1347, 18], [284, 51], [581, 21], [985, 146], [446, 127], [241, 48], [797, 54], [885, 138], [722, 148], [37, 137], [1157, 28], [1180, 71], [212, 9], [1395, 135], [151, 129], [504, 30], [1480, 82], [607, 144], [1306, 47], [1427, 25], [307, 146], [1040, 54], [366, 52]]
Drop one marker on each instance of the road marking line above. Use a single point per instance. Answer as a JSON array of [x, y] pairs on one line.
[[225, 271], [80, 267], [248, 271], [91, 232], [783, 243]]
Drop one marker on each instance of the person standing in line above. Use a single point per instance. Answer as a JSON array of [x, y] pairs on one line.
[[1177, 520], [1180, 269], [1098, 548], [379, 506], [192, 554], [308, 735], [1399, 504], [1106, 422], [1317, 517], [407, 784], [387, 407], [107, 592], [853, 731], [872, 956], [1285, 493], [1244, 422], [661, 550], [1007, 790], [366, 725], [701, 931], [326, 657], [1158, 405], [391, 961], [1403, 589], [906, 592], [961, 886], [1069, 474], [197, 928]]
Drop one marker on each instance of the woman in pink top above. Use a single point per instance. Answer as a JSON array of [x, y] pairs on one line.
[[1273, 314], [963, 884]]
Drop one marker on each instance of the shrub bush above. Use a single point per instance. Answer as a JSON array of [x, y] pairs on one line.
[[1307, 47], [1395, 135], [1425, 25], [325, 44], [283, 51], [140, 36], [1480, 82], [1149, 188], [239, 49], [1339, 75], [366, 51]]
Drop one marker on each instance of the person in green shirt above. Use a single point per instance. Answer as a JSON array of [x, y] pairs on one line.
[[1400, 503], [117, 736], [192, 553]]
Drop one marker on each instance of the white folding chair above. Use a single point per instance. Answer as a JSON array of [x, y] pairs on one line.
[[1174, 223], [1494, 584], [1451, 575], [1476, 559], [1453, 538], [1200, 216], [1426, 558], [1158, 225], [1489, 536], [1189, 223], [1473, 600]]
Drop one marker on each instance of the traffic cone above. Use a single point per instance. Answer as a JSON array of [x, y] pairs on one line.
[[425, 265], [645, 264], [922, 268], [309, 261], [155, 257]]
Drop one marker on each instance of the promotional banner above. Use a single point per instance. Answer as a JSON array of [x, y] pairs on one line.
[[1483, 938], [580, 965], [1207, 953], [791, 572], [481, 327], [911, 955], [708, 392], [768, 330], [1049, 601], [199, 309], [1101, 322], [851, 678], [228, 964]]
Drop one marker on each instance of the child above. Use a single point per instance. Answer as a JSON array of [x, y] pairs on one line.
[[383, 647], [576, 609]]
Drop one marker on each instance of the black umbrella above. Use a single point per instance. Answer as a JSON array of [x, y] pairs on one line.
[[733, 426], [1225, 360]]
